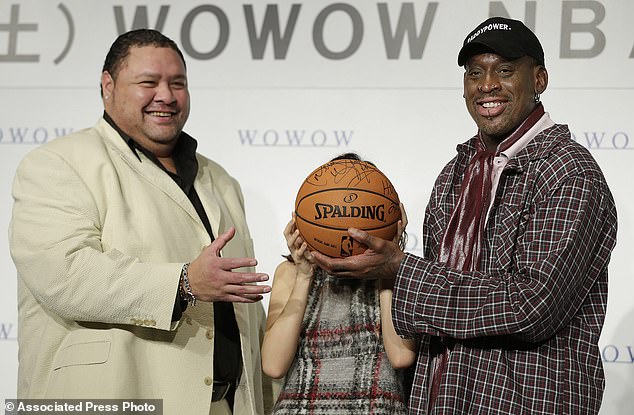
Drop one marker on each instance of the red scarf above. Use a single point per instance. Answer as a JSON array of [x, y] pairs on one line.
[[462, 242]]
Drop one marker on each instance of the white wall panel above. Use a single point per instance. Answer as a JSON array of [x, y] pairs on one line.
[[271, 111]]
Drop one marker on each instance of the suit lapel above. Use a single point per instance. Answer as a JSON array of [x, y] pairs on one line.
[[149, 171], [207, 194]]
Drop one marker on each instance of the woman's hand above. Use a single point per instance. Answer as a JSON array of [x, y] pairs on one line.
[[298, 248]]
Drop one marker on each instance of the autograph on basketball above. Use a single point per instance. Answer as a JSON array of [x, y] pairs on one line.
[[341, 194], [352, 171]]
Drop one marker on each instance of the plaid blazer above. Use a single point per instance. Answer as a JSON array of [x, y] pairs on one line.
[[523, 330]]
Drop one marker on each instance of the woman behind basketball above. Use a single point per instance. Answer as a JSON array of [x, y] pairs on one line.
[[333, 339]]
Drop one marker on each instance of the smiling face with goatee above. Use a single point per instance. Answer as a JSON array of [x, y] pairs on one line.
[[500, 93]]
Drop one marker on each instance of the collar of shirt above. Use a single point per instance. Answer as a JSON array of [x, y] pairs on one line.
[[543, 123], [184, 155], [502, 160]]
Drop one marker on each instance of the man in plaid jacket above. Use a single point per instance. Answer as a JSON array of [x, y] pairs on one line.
[[509, 297]]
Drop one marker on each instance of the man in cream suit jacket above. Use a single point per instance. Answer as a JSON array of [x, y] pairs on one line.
[[135, 263]]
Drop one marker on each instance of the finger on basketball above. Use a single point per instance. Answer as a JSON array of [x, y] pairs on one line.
[[340, 194]]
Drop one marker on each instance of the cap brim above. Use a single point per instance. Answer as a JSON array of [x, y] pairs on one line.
[[476, 48]]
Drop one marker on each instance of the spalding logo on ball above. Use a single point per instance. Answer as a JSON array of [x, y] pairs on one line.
[[344, 194]]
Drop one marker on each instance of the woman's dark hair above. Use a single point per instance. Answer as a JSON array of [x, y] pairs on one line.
[[347, 156]]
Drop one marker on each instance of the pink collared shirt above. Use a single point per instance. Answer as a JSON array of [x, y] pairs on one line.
[[502, 160]]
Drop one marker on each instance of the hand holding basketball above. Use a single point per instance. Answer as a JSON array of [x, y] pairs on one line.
[[342, 194], [381, 260], [298, 248]]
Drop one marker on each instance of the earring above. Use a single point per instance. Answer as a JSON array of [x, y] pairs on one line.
[[536, 98]]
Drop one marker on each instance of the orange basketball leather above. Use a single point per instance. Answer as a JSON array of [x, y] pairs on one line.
[[344, 194]]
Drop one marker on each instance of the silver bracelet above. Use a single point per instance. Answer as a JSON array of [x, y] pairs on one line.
[[187, 289]]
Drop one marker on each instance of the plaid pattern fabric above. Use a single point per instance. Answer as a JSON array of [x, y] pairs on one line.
[[341, 366], [523, 330]]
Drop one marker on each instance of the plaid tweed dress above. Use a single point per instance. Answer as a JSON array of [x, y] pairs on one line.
[[341, 366]]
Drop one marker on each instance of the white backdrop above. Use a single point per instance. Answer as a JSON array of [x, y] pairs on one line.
[[279, 87]]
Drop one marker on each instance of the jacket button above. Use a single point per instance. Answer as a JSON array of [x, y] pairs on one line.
[[209, 334], [208, 381]]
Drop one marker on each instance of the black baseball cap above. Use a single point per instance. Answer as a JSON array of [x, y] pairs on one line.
[[508, 38]]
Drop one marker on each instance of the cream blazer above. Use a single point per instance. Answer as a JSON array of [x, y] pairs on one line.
[[98, 239]]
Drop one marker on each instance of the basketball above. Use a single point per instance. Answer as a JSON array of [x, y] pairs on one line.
[[344, 194]]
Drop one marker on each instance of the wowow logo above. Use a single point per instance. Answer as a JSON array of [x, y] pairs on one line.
[[6, 332], [295, 138], [25, 135], [618, 353], [604, 140]]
